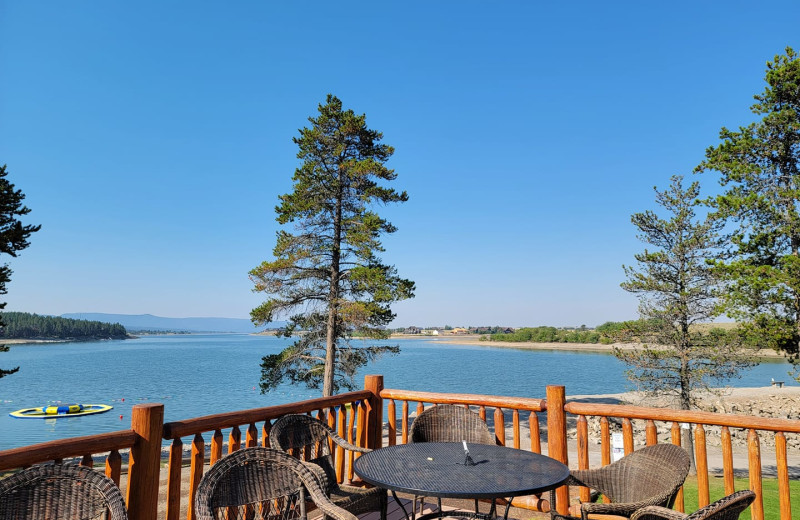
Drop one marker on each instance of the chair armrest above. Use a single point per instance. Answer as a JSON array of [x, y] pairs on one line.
[[614, 508], [571, 481], [343, 443], [319, 474], [331, 510], [311, 474], [657, 513]]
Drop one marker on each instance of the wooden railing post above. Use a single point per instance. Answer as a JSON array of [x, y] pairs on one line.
[[557, 439], [374, 383], [144, 465]]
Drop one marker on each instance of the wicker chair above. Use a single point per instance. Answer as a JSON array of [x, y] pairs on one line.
[[58, 491], [650, 476], [261, 483], [727, 508], [309, 438], [449, 423]]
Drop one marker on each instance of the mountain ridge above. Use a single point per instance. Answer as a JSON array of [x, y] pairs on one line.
[[134, 322]]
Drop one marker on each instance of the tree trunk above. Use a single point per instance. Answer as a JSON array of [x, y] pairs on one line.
[[333, 298], [687, 439]]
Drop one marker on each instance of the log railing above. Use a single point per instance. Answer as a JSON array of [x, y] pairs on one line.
[[143, 441], [560, 413], [348, 414], [358, 417], [673, 419], [501, 406]]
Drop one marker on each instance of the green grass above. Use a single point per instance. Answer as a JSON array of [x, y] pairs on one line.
[[769, 490]]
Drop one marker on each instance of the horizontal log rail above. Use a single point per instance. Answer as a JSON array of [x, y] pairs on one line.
[[222, 421], [683, 416], [499, 401], [66, 448]]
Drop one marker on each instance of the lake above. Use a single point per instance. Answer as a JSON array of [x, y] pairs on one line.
[[195, 375]]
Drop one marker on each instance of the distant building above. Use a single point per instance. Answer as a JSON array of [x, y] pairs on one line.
[[413, 330]]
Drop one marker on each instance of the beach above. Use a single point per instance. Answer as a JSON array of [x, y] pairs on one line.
[[475, 340]]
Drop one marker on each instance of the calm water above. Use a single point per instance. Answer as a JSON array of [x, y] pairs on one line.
[[205, 374]]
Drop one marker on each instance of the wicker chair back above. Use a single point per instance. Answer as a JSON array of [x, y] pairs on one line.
[[308, 439], [657, 470], [450, 423], [262, 483], [59, 491], [311, 440]]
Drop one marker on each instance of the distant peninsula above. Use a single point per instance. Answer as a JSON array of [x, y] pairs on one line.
[[27, 326]]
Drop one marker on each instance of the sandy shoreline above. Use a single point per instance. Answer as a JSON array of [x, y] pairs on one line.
[[25, 341], [474, 340]]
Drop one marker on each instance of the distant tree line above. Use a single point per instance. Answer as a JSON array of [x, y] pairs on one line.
[[611, 332], [24, 325], [547, 335], [156, 332]]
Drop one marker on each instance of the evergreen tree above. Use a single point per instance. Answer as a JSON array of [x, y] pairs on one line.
[[13, 236], [759, 168], [326, 276], [24, 325], [677, 288]]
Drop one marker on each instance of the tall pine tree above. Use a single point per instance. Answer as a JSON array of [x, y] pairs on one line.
[[13, 236], [677, 289], [759, 169], [326, 276]]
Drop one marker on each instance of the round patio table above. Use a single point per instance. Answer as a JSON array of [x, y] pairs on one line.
[[441, 469]]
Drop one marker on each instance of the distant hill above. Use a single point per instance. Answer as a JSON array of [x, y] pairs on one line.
[[134, 322]]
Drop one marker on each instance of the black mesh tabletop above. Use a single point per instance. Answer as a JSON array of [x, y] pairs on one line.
[[437, 469]]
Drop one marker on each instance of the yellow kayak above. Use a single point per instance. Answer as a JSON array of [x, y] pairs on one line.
[[64, 410]]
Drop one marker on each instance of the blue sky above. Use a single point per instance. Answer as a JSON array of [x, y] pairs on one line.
[[152, 140]]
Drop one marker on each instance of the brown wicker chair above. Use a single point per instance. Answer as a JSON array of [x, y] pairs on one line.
[[309, 438], [59, 491], [650, 476], [449, 423], [726, 508], [261, 483]]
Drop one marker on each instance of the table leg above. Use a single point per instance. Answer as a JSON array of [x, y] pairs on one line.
[[508, 507], [405, 513]]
